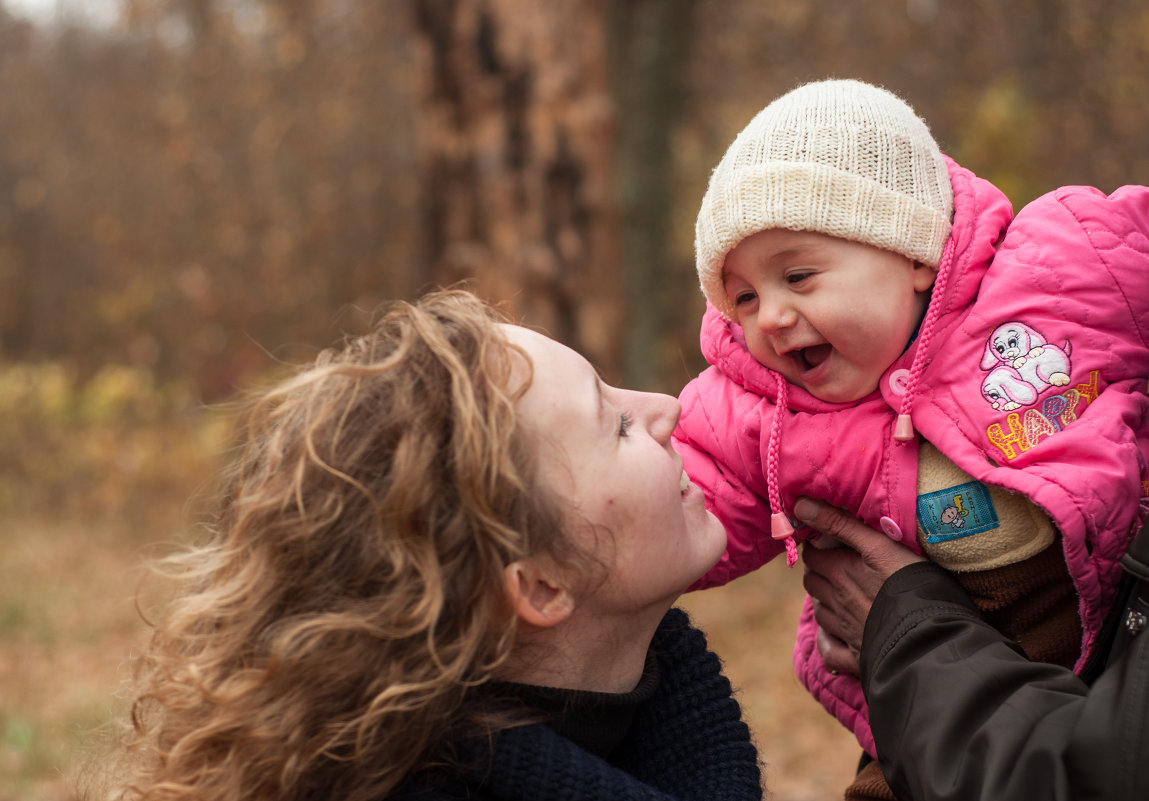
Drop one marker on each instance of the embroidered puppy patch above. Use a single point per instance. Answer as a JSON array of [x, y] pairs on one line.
[[1022, 365], [956, 512]]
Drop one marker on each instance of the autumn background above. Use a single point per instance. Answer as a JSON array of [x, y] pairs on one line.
[[195, 194]]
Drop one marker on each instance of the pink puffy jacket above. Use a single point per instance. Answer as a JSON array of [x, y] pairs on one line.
[[1067, 282]]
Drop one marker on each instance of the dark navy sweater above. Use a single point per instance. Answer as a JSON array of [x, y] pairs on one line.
[[678, 735]]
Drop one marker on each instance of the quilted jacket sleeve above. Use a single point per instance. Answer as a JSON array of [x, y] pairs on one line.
[[1093, 249], [958, 712], [719, 443]]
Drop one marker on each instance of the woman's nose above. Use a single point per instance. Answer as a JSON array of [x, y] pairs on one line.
[[662, 413], [670, 410]]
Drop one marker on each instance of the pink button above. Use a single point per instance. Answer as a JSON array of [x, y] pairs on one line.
[[891, 529], [898, 381]]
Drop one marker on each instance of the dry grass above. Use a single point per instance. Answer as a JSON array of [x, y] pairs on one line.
[[68, 624]]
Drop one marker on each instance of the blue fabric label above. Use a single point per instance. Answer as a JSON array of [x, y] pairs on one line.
[[960, 511]]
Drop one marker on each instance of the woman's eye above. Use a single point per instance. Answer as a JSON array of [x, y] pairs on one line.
[[625, 421]]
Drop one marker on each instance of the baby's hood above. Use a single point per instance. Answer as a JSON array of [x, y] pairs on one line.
[[982, 215]]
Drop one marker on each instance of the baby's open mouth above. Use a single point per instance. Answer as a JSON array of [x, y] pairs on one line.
[[809, 358]]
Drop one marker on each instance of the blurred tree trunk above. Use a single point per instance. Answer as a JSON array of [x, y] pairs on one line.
[[649, 40], [517, 133]]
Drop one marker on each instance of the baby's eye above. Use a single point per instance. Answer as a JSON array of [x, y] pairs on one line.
[[796, 277], [744, 297], [625, 421]]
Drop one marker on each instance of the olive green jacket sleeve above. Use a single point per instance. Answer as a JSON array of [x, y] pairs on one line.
[[958, 712]]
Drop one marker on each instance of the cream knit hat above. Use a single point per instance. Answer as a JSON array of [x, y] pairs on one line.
[[839, 157]]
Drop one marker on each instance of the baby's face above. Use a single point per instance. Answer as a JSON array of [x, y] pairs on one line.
[[828, 314]]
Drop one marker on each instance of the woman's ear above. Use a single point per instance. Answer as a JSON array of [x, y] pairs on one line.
[[537, 595]]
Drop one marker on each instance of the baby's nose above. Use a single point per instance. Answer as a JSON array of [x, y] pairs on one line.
[[775, 315]]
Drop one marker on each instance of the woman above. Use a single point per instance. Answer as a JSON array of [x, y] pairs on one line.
[[443, 568]]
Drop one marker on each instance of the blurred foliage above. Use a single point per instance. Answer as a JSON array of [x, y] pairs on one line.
[[196, 184], [202, 187], [114, 445]]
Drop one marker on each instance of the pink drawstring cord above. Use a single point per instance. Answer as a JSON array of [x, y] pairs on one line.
[[904, 428], [780, 527]]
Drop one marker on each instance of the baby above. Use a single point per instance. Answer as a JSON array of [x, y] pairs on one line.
[[885, 335]]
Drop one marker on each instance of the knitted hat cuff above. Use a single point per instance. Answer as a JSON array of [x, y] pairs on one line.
[[791, 195]]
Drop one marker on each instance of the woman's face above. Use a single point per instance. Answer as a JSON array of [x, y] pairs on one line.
[[606, 452]]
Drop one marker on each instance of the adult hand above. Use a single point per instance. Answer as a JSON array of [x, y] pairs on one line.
[[843, 581]]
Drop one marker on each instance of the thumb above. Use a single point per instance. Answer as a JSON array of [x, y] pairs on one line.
[[831, 520], [878, 550]]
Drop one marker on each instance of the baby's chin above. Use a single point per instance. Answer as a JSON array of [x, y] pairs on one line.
[[839, 394]]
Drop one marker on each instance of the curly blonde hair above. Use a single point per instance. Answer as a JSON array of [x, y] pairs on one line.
[[332, 632]]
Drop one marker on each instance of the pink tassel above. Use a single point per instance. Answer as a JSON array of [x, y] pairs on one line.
[[780, 529], [904, 429], [791, 552]]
